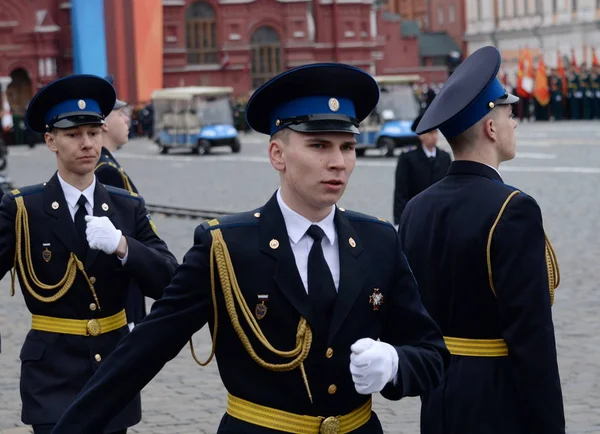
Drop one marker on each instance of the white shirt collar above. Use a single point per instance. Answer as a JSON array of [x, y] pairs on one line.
[[429, 153], [496, 170], [72, 194], [297, 225]]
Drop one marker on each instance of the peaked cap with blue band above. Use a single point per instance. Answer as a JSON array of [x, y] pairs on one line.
[[469, 94], [69, 102], [320, 97]]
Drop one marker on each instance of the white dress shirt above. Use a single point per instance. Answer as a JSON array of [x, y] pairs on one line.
[[429, 153], [72, 195], [301, 242]]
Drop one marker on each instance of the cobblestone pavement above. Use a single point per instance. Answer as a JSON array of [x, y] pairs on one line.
[[557, 163]]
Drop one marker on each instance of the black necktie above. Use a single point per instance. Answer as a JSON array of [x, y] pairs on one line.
[[80, 222], [321, 289]]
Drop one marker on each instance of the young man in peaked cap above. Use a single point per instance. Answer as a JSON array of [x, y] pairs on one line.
[[75, 245], [485, 269], [115, 133], [316, 307]]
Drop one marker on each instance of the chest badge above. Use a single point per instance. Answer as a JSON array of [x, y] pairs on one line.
[[376, 299], [46, 253], [261, 307]]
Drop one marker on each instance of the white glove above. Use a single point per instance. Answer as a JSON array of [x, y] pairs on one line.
[[101, 234], [373, 364]]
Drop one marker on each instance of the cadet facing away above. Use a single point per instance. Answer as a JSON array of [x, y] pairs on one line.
[[316, 306], [485, 269], [77, 246]]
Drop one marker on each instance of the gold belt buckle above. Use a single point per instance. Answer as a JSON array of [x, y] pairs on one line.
[[331, 425], [93, 327]]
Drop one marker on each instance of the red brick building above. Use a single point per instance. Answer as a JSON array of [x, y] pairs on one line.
[[241, 43], [449, 16]]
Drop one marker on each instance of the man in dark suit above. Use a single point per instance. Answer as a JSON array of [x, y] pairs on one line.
[[315, 305], [115, 132], [485, 269], [418, 169], [75, 245]]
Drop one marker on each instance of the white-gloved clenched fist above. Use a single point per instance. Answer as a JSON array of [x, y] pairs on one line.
[[101, 234], [373, 364]]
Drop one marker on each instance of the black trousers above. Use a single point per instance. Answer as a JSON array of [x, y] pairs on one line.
[[47, 429]]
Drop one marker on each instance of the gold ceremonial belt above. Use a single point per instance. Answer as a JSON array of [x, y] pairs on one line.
[[81, 327], [476, 347], [295, 423]]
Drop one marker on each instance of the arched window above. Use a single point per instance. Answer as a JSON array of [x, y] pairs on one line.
[[266, 55], [201, 33]]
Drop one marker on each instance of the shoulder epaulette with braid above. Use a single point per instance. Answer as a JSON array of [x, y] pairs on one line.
[[248, 218], [121, 192], [358, 216], [24, 191]]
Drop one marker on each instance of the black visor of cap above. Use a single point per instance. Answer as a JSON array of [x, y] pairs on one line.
[[75, 120]]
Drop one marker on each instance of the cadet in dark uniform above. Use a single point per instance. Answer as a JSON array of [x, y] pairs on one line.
[[115, 132], [485, 269], [556, 96], [574, 94], [587, 95], [418, 169], [316, 306], [75, 244]]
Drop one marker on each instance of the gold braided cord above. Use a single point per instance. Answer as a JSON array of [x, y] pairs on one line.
[[551, 260], [553, 269], [491, 235], [74, 264], [126, 182], [232, 293]]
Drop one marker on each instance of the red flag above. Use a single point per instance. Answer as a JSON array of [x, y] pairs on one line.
[[574, 60], [594, 58], [541, 92], [560, 68], [525, 74]]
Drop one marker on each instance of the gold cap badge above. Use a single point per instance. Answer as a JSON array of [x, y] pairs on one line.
[[334, 104], [81, 104]]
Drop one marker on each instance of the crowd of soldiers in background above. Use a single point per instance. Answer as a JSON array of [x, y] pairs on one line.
[[575, 97]]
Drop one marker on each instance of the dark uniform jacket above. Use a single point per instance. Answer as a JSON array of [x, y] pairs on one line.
[[110, 172], [370, 257], [415, 172], [445, 233], [56, 366]]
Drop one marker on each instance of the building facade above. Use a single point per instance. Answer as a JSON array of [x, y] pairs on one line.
[[238, 43], [449, 16], [546, 27], [413, 10]]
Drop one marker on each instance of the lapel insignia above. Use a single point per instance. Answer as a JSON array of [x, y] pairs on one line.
[[376, 299], [261, 308], [104, 207], [352, 242], [54, 205], [46, 253], [274, 244]]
